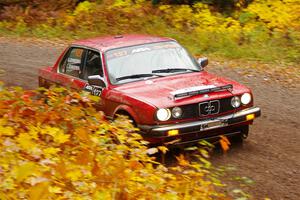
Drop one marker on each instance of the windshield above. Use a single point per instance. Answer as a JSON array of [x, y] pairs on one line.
[[149, 60]]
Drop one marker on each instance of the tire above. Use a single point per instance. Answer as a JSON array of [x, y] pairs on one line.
[[243, 135], [124, 113]]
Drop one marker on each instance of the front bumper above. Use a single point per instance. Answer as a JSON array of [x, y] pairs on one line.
[[195, 128]]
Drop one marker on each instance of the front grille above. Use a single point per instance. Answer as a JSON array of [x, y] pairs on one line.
[[209, 108], [198, 109]]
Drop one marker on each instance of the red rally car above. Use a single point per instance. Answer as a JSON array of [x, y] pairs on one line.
[[155, 82]]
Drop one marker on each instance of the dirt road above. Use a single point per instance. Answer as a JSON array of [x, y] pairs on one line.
[[271, 154]]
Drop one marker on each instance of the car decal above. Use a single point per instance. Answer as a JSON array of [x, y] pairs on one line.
[[94, 90], [73, 67], [74, 60], [137, 49]]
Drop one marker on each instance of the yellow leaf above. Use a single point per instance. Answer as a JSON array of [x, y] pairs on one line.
[[33, 132], [8, 184], [54, 189], [3, 122], [163, 149], [61, 138], [3, 196], [105, 194], [25, 170], [7, 130], [58, 134], [74, 175], [49, 152], [25, 141]]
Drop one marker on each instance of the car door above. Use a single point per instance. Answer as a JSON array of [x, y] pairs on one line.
[[76, 66], [93, 66], [70, 70]]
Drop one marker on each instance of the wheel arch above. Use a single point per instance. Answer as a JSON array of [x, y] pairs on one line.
[[127, 111]]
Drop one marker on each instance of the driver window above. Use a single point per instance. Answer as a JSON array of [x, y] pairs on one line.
[[72, 63], [92, 65]]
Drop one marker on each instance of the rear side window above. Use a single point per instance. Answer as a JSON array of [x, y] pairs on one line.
[[72, 62], [93, 65]]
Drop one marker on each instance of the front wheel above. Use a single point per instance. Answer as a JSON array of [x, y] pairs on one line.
[[244, 131]]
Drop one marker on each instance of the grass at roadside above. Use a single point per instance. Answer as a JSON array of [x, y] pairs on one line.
[[255, 32], [267, 51], [214, 44]]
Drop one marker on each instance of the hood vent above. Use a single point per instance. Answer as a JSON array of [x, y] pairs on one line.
[[203, 89]]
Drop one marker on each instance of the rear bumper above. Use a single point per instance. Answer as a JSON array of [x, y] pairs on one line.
[[203, 129]]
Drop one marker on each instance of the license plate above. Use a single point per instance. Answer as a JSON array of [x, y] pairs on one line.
[[211, 125]]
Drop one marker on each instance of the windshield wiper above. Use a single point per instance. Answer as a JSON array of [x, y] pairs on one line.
[[137, 76], [171, 70]]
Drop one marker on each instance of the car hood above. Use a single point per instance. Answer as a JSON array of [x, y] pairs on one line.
[[159, 91]]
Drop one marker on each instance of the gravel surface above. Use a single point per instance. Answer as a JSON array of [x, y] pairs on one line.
[[270, 156]]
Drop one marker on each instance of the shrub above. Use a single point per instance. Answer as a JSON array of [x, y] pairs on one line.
[[55, 145]]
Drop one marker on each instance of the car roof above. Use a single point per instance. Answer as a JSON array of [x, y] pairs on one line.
[[112, 42]]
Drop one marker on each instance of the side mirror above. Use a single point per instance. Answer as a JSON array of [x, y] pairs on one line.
[[203, 62], [96, 80]]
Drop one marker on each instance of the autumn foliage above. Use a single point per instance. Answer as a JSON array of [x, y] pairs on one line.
[[55, 145], [262, 29]]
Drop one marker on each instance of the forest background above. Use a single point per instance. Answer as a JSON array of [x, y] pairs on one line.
[[264, 30]]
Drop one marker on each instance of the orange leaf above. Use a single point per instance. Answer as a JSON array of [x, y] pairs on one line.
[[82, 134], [84, 157], [181, 160], [27, 112], [135, 165], [97, 170], [61, 169], [39, 191], [224, 143]]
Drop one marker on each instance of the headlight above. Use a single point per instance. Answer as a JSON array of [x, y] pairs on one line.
[[176, 112], [163, 114], [235, 102], [246, 98]]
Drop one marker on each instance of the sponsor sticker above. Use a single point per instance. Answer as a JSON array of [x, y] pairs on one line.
[[73, 67], [74, 60], [94, 90]]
